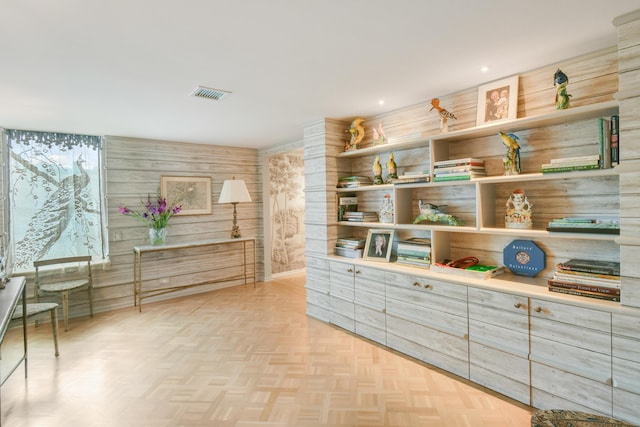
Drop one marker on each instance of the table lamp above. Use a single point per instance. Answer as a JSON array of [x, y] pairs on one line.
[[234, 191]]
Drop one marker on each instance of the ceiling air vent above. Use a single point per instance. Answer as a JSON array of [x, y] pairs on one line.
[[209, 93]]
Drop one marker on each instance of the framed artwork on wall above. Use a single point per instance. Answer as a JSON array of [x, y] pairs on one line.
[[379, 244], [192, 192], [498, 100]]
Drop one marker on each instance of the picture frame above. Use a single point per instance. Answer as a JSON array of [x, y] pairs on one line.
[[498, 101], [378, 246], [193, 193]]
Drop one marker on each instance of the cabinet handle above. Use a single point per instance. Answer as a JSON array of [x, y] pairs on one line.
[[417, 284], [517, 305], [538, 309], [358, 272], [428, 286]]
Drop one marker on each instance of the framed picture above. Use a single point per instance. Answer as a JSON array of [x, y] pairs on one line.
[[192, 192], [498, 101], [379, 244]]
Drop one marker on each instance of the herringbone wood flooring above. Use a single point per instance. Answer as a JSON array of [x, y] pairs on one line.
[[240, 357]]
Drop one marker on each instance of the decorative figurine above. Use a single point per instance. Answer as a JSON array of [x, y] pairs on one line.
[[431, 212], [386, 211], [512, 161], [392, 168], [357, 134], [379, 138], [560, 80], [377, 171], [443, 113], [518, 211]]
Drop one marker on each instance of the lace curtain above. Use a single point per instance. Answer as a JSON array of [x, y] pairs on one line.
[[55, 206]]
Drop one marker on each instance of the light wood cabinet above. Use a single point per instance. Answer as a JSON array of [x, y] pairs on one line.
[[499, 342], [427, 319], [370, 305], [341, 295], [570, 357], [626, 367], [317, 287]]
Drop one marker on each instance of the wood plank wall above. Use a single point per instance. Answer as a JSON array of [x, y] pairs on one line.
[[133, 170]]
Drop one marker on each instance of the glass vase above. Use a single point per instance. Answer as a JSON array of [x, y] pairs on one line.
[[157, 236]]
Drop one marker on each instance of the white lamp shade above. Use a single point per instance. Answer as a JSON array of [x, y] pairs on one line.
[[234, 191]]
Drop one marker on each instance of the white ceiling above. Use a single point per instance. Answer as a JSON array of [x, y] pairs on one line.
[[127, 67]]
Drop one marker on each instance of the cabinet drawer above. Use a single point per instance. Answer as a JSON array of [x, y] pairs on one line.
[[572, 315], [510, 303], [427, 315], [342, 290], [419, 283], [506, 338], [337, 269], [513, 318], [590, 340], [371, 300], [369, 286]]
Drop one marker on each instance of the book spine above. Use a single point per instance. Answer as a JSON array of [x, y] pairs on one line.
[[604, 130], [451, 178], [569, 168], [587, 274], [421, 255], [584, 294], [576, 159], [587, 288], [587, 269], [615, 139], [586, 280]]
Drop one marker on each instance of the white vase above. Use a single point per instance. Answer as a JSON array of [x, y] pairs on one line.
[[157, 236]]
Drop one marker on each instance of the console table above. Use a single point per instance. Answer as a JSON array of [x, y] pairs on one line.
[[139, 294]]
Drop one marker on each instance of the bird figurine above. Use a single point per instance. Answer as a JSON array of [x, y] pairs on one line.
[[512, 161], [560, 80], [431, 212], [377, 171], [357, 134], [379, 136], [443, 113], [392, 168]]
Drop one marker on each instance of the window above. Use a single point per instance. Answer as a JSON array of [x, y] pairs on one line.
[[55, 201]]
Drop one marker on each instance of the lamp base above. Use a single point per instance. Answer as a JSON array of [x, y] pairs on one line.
[[235, 231]]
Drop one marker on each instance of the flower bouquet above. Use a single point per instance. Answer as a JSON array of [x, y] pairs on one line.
[[156, 216]]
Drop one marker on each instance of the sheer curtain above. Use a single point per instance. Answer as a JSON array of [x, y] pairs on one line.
[[55, 206]]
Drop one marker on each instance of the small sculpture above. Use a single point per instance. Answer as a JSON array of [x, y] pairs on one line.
[[386, 210], [377, 171], [512, 161], [431, 212], [357, 134], [518, 211], [560, 80], [392, 168], [379, 137], [443, 113]]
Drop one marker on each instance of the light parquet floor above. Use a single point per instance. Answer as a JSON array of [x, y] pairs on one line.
[[237, 357]]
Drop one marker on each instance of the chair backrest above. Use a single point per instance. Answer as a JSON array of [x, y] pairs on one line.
[[62, 261]]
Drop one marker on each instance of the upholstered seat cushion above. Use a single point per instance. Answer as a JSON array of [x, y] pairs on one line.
[[41, 307], [562, 418], [63, 286]]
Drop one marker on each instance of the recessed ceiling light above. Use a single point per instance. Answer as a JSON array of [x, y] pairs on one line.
[[484, 69], [381, 102]]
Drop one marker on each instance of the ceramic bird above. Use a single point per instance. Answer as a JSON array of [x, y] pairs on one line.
[[377, 171], [444, 114], [357, 134], [392, 168], [431, 212], [379, 136], [560, 80], [512, 161]]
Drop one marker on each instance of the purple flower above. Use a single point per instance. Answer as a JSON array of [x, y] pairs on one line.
[[156, 213]]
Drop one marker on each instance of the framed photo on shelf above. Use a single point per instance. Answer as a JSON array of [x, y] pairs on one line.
[[192, 192], [498, 100], [378, 246]]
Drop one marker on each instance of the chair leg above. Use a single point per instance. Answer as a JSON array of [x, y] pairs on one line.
[[54, 328], [65, 309], [91, 300]]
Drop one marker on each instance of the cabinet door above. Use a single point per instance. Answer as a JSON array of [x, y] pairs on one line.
[[370, 304], [570, 357], [499, 342], [317, 287], [427, 319], [341, 295], [626, 367]]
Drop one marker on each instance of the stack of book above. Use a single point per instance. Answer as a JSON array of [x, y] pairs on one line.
[[350, 247], [588, 278], [458, 169], [585, 225], [346, 204], [609, 131], [415, 251], [569, 164], [360, 216], [353, 181], [411, 177]]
